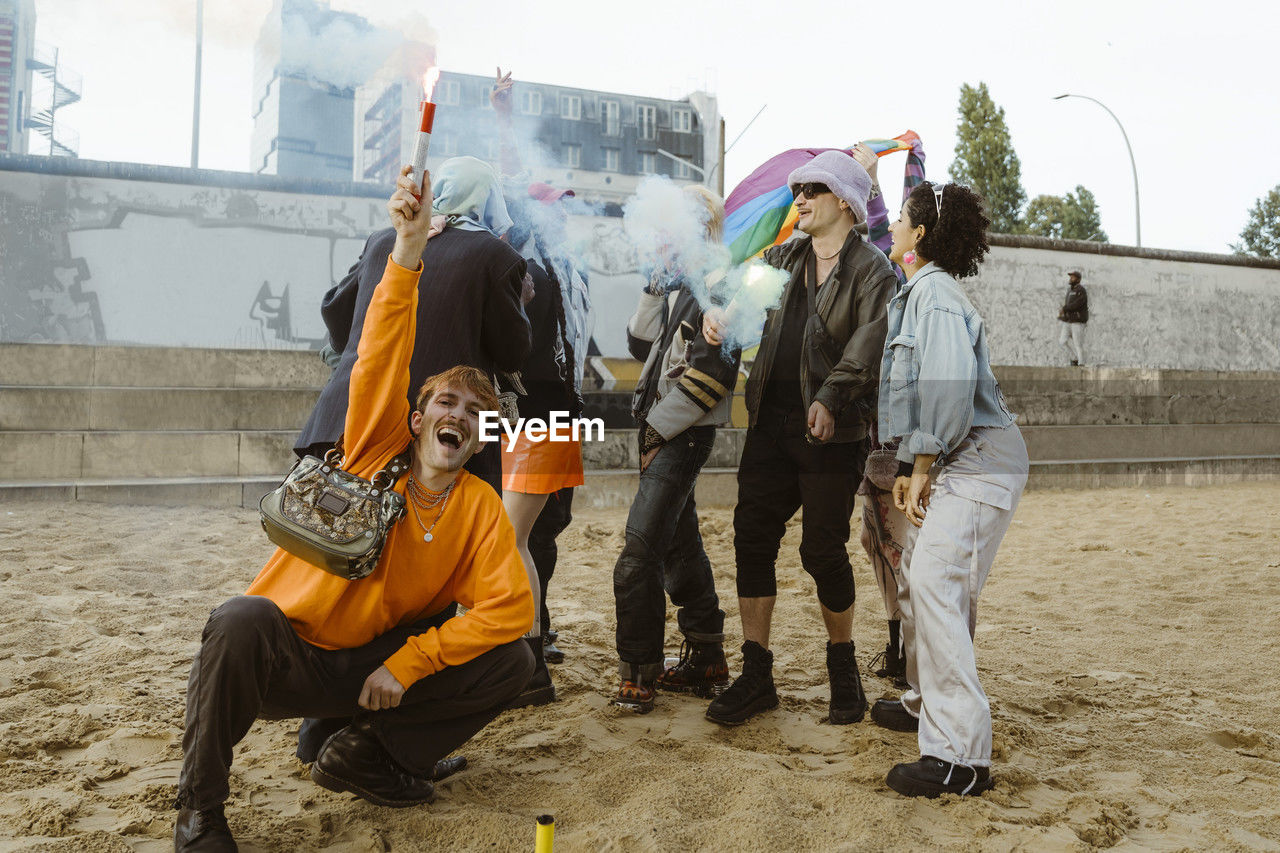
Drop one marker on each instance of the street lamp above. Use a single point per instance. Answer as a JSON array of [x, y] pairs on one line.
[[1137, 211]]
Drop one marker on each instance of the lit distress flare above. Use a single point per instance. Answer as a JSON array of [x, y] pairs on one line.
[[423, 141]]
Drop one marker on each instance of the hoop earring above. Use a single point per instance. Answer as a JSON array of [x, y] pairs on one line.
[[909, 257]]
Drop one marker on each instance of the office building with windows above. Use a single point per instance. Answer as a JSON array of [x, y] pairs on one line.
[[600, 144], [308, 61]]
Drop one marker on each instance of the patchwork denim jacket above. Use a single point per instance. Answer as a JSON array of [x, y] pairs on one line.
[[936, 382]]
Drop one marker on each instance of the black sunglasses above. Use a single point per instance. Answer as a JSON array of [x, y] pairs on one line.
[[810, 190]]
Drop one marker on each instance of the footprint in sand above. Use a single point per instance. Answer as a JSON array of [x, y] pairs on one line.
[[1233, 740]]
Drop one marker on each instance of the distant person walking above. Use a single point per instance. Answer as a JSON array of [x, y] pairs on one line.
[[1074, 314]]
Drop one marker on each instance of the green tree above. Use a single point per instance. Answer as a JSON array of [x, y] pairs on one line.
[[985, 159], [1073, 216], [1261, 235]]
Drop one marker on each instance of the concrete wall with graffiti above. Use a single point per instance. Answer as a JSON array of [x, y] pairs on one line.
[[1147, 308], [174, 257], [120, 253]]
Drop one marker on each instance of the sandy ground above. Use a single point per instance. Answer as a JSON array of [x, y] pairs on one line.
[[1128, 641]]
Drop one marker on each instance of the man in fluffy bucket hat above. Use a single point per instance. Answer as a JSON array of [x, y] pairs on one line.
[[810, 399]]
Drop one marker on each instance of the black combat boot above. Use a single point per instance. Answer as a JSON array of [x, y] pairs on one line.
[[701, 670], [751, 692], [848, 702]]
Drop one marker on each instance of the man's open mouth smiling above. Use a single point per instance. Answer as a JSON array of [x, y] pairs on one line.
[[450, 436]]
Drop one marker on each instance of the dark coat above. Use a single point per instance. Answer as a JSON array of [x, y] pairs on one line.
[[547, 374], [853, 310], [469, 312], [1076, 307]]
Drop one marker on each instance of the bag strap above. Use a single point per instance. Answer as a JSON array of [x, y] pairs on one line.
[[811, 281], [384, 479]]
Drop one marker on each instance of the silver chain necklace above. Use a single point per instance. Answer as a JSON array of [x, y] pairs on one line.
[[419, 495]]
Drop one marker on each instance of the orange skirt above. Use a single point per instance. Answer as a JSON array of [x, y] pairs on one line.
[[541, 467]]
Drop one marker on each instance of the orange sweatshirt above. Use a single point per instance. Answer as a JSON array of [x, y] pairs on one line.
[[471, 559]]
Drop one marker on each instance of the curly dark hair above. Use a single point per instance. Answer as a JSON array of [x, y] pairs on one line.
[[957, 240]]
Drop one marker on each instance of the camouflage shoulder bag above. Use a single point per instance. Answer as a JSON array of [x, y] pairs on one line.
[[331, 518]]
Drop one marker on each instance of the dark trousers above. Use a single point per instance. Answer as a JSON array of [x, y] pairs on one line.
[[252, 664], [779, 473], [663, 555], [556, 515]]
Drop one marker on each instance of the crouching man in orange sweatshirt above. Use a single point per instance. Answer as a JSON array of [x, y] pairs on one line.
[[402, 689]]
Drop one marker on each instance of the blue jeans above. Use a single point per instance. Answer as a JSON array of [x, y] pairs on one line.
[[663, 555]]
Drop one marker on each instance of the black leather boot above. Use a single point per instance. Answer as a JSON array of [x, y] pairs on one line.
[[933, 777], [848, 702], [751, 693], [551, 653], [353, 761], [203, 832], [702, 669], [540, 690]]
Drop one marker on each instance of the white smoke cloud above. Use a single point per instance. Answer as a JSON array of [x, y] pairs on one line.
[[756, 288], [667, 227], [339, 51]]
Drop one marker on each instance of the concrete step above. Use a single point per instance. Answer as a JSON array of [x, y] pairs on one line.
[[51, 455], [69, 365], [87, 454], [1148, 441], [149, 409], [617, 487], [148, 491]]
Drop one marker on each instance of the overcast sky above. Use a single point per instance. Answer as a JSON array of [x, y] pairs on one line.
[[1196, 89]]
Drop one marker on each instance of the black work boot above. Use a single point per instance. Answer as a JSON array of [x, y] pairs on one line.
[[540, 690], [550, 651], [751, 692], [352, 760], [893, 660], [637, 690], [848, 702], [933, 777], [701, 670], [203, 832], [891, 714]]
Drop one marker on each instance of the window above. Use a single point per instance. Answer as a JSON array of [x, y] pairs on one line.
[[531, 103], [573, 156], [647, 121], [571, 107], [682, 169], [449, 93], [682, 121], [647, 164], [612, 159], [610, 118], [444, 143]]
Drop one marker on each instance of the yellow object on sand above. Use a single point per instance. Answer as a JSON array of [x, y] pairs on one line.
[[546, 833]]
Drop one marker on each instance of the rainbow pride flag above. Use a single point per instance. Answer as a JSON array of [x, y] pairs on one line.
[[760, 211]]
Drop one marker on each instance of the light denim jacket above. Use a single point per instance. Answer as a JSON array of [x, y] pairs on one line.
[[935, 376]]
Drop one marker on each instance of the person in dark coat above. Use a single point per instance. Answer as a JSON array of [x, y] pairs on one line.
[[1074, 315], [469, 304]]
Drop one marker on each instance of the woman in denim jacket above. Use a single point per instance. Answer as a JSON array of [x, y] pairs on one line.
[[940, 398]]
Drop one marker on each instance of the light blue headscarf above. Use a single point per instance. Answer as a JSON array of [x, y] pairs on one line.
[[469, 193]]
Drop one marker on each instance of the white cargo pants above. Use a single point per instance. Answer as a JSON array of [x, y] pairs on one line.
[[945, 563], [1072, 338]]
